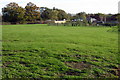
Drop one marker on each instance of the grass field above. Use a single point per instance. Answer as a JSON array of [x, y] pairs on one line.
[[41, 51]]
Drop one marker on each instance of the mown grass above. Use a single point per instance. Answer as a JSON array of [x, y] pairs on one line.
[[41, 51]]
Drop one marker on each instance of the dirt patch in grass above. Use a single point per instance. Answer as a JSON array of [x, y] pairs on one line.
[[8, 54], [94, 60], [26, 64], [78, 65], [33, 50], [72, 49], [98, 57], [72, 72], [6, 64], [9, 40], [22, 62], [79, 56], [116, 71]]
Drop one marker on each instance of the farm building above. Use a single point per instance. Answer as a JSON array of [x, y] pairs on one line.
[[60, 21]]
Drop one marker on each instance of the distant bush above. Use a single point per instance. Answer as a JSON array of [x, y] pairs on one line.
[[119, 27], [110, 24], [114, 29], [24, 22], [6, 23], [68, 23]]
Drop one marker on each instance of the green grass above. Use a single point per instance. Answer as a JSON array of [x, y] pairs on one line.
[[41, 51]]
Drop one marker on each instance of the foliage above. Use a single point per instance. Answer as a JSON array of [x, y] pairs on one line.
[[13, 13], [47, 14], [100, 16], [32, 12], [114, 29], [54, 14], [62, 15]]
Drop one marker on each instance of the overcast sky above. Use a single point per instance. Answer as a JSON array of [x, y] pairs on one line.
[[72, 6]]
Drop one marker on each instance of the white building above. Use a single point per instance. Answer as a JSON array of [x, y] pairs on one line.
[[60, 21]]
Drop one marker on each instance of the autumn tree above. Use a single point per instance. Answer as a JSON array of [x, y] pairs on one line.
[[54, 14], [69, 16], [118, 19], [100, 17], [47, 14], [32, 12], [13, 13], [62, 15], [82, 15]]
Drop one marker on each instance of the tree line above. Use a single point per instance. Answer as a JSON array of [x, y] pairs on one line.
[[31, 13], [14, 13]]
